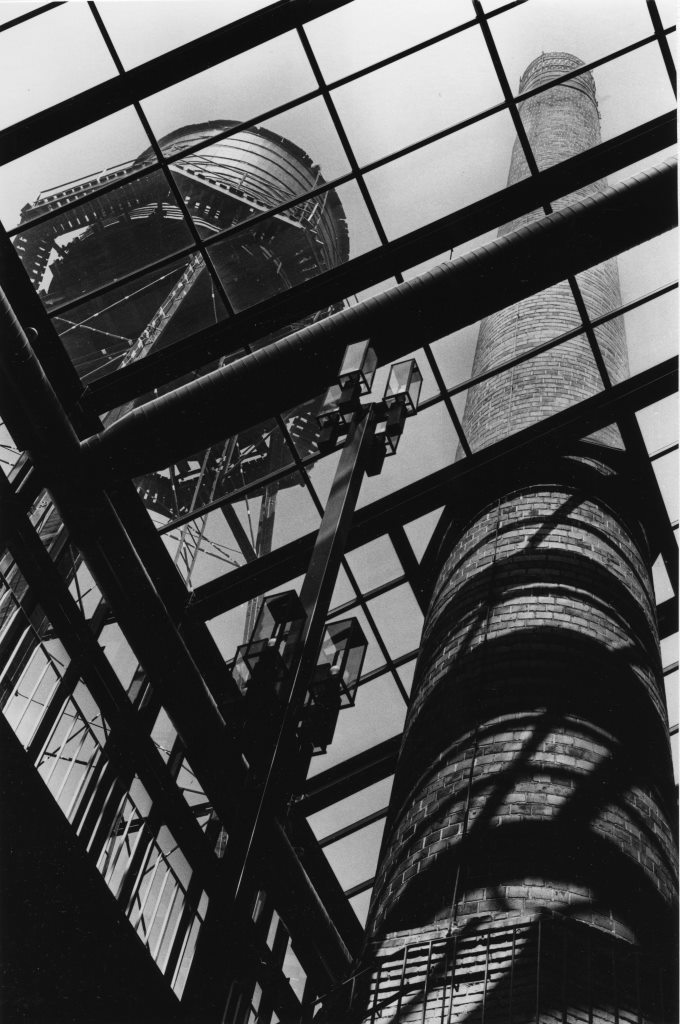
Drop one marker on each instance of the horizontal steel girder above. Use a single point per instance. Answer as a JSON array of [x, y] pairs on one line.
[[445, 299], [422, 496], [452, 230]]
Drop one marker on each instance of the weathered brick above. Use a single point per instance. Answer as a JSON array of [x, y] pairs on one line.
[[538, 688]]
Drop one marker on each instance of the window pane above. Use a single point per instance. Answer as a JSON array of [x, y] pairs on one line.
[[419, 95], [651, 332], [366, 31], [241, 88], [587, 30], [50, 58], [443, 176]]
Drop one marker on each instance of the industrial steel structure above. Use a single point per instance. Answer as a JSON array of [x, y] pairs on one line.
[[206, 556]]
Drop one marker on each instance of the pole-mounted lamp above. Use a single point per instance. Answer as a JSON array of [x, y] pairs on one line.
[[401, 397], [259, 668], [342, 400], [334, 683]]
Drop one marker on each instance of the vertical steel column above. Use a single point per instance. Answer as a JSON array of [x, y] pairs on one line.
[[315, 597]]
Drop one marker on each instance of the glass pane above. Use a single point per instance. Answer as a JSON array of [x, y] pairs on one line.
[[668, 10], [119, 654], [241, 88], [374, 564], [12, 9], [83, 161], [418, 96], [361, 904], [663, 589], [67, 48], [399, 620], [128, 323], [352, 808], [651, 332], [355, 857], [367, 31], [145, 29], [454, 354], [587, 30], [444, 176], [646, 267], [420, 530], [294, 247], [659, 423], [343, 593], [259, 168], [106, 238]]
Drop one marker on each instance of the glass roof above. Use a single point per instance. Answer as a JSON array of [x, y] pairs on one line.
[[128, 211]]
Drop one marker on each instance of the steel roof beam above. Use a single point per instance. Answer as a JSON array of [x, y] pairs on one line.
[[445, 299], [160, 73], [450, 231], [423, 496]]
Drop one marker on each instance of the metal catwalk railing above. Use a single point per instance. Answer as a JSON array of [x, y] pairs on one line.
[[548, 970]]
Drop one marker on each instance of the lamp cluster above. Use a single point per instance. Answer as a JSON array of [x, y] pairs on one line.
[[342, 402], [262, 670]]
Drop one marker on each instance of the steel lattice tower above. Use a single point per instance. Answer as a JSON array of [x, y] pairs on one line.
[[528, 867]]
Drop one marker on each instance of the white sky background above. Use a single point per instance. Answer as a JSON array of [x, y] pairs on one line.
[[61, 53]]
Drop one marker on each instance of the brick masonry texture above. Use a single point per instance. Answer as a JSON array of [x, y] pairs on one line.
[[535, 779]]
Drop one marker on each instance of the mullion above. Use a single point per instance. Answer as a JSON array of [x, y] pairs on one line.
[[389, 665], [444, 395], [666, 450], [340, 129], [417, 47], [663, 44], [30, 14], [384, 588], [354, 826]]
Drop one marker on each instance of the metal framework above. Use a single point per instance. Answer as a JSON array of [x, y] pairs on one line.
[[130, 713]]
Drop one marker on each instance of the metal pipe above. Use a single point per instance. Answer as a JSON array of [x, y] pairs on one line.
[[438, 302]]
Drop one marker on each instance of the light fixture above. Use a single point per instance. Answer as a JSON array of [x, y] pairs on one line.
[[402, 393], [342, 400], [260, 665], [335, 681]]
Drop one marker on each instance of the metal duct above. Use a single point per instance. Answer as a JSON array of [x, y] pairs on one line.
[[399, 320]]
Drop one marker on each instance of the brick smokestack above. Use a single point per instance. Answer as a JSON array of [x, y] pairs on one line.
[[529, 849]]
